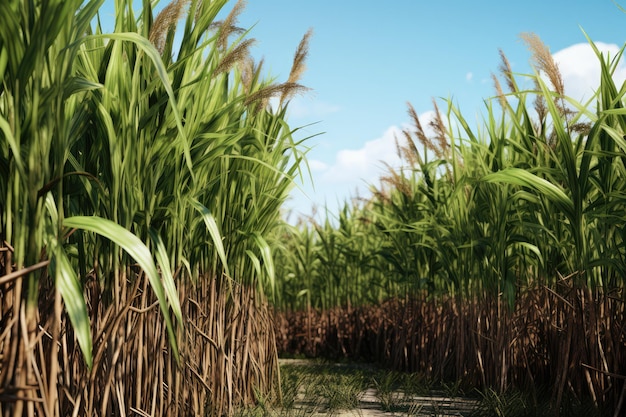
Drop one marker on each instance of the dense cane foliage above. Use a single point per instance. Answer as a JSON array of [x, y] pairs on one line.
[[482, 244], [137, 171], [533, 196]]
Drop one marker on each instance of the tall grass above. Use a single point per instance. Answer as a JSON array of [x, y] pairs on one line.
[[139, 173], [487, 240]]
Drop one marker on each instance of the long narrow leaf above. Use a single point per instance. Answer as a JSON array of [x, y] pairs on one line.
[[524, 178], [166, 275], [135, 248], [69, 287], [154, 55], [214, 231]]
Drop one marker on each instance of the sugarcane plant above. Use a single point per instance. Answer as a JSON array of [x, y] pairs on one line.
[[489, 239], [141, 168]]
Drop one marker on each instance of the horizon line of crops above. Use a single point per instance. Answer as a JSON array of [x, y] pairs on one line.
[[137, 172], [475, 222]]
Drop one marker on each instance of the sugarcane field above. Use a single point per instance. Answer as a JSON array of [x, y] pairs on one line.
[[149, 265]]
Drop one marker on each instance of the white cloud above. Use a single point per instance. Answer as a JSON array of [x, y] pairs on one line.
[[349, 175], [366, 164], [352, 171], [580, 68], [469, 76], [374, 158], [363, 166], [316, 165]]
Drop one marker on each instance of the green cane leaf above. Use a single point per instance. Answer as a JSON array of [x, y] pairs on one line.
[[135, 248]]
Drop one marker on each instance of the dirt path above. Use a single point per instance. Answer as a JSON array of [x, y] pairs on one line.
[[370, 406], [336, 398]]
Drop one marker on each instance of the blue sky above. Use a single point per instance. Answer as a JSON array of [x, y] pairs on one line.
[[368, 58]]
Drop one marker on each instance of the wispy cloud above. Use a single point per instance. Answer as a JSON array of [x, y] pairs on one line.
[[347, 176], [317, 165], [353, 170], [366, 163], [307, 107]]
